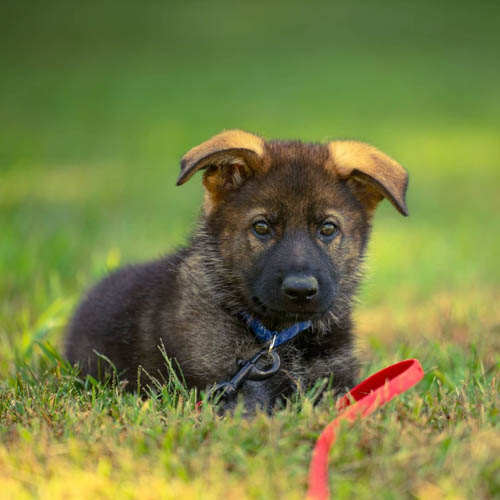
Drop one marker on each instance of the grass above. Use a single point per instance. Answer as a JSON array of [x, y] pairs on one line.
[[98, 101]]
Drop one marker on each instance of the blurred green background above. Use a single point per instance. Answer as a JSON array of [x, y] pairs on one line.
[[99, 100]]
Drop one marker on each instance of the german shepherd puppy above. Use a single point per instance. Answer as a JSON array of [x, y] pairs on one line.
[[281, 238]]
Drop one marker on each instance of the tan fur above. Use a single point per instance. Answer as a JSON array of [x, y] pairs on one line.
[[229, 139], [375, 174], [230, 156]]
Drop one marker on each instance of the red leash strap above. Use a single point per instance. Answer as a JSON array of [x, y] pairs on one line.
[[360, 402]]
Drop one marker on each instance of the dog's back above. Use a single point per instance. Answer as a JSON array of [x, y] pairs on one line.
[[111, 322]]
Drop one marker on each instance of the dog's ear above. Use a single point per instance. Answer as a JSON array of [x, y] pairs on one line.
[[372, 174], [229, 158]]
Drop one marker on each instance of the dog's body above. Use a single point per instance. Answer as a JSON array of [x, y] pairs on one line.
[[282, 238]]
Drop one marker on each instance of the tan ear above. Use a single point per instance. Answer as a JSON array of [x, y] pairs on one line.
[[374, 175], [229, 156]]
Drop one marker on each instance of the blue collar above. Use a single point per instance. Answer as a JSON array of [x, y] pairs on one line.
[[276, 338]]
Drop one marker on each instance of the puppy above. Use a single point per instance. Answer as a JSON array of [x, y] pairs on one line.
[[280, 241]]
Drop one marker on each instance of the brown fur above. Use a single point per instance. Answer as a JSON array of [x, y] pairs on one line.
[[377, 174], [190, 301], [242, 151]]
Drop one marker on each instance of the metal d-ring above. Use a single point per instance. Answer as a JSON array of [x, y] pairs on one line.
[[248, 370], [259, 374]]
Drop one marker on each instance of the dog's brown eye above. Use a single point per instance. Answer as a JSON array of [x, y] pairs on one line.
[[261, 227], [328, 229]]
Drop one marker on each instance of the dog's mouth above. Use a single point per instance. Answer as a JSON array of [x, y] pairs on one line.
[[300, 313], [257, 303]]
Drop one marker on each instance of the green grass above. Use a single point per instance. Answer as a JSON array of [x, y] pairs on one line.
[[98, 101]]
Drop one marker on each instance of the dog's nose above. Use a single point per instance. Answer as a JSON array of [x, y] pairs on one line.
[[300, 288]]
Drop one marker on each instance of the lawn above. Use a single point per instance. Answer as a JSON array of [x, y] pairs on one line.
[[98, 102]]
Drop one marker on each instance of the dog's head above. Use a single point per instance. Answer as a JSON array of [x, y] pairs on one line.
[[290, 219]]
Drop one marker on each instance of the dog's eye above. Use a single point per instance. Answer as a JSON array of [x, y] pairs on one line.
[[261, 228], [328, 229]]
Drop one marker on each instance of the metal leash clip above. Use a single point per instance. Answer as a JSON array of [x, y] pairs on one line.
[[248, 371]]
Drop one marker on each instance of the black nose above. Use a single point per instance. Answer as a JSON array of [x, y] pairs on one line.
[[300, 288]]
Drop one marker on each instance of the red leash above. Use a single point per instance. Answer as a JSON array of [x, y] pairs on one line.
[[360, 402]]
